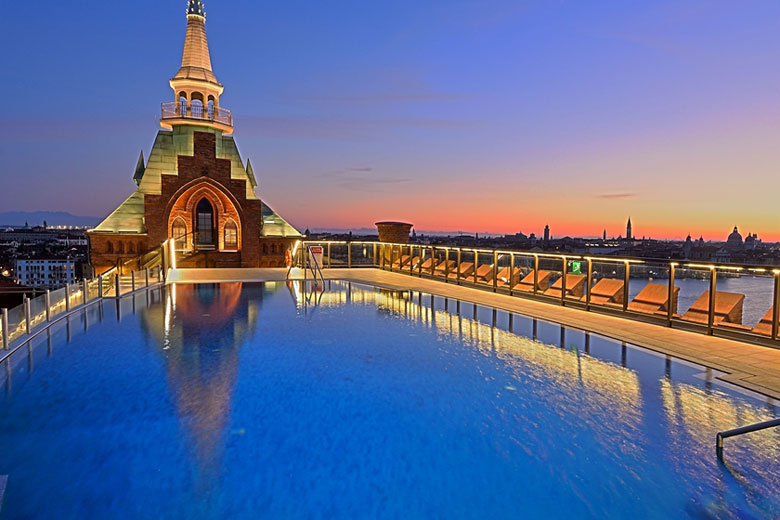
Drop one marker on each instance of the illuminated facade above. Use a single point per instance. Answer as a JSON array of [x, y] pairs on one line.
[[195, 187]]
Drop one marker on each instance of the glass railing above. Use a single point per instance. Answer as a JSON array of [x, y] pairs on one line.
[[35, 313], [661, 291]]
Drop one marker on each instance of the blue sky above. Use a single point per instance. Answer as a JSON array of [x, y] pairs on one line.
[[493, 116]]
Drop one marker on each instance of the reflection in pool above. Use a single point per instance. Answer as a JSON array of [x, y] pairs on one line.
[[231, 400]]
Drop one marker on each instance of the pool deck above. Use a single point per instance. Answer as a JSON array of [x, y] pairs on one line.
[[753, 367]]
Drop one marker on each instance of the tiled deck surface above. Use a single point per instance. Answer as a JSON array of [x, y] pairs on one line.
[[750, 366]]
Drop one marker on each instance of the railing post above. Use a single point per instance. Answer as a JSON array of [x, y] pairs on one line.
[[329, 253], [495, 271], [711, 310], [349, 254], [132, 281], [27, 319], [626, 280], [67, 297], [446, 264], [6, 346], [776, 305], [460, 257], [476, 264], [117, 280], [100, 286], [47, 301], [511, 272], [536, 275], [590, 284], [563, 280], [670, 306], [375, 259], [433, 260], [84, 295]]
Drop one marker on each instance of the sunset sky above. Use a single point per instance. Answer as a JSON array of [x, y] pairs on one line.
[[487, 116]]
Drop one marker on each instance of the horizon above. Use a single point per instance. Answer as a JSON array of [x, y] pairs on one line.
[[446, 116]]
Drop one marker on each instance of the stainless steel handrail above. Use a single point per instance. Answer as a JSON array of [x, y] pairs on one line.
[[741, 431]]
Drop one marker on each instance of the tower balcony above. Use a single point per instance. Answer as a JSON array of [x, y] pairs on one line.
[[174, 113]]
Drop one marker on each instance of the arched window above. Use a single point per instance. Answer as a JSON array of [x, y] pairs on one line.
[[265, 249], [196, 105], [231, 235], [178, 233], [131, 248], [211, 105], [181, 107], [120, 248], [204, 222], [110, 247]]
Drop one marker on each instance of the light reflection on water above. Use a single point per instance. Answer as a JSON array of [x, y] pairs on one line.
[[245, 400]]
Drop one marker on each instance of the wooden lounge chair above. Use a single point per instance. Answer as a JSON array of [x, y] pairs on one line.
[[503, 277], [465, 268], [575, 286], [728, 308], [426, 265], [607, 291], [654, 299], [414, 263], [444, 267], [527, 283], [401, 262], [485, 273], [765, 325]]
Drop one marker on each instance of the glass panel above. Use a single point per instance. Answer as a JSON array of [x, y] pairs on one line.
[[744, 301], [548, 278], [523, 266], [108, 284], [648, 291], [484, 267], [57, 302], [38, 311], [608, 283], [16, 323], [576, 279], [75, 295], [93, 291], [363, 254], [693, 299]]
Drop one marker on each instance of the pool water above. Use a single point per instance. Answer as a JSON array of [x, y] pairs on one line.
[[275, 401]]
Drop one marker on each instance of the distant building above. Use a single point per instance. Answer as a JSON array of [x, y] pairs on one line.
[[734, 241], [547, 233], [45, 273], [629, 230]]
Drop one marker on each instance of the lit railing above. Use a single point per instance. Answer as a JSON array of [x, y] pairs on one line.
[[173, 110], [674, 294], [18, 324]]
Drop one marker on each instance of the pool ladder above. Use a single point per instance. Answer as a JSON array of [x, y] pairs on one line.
[[308, 262], [740, 431]]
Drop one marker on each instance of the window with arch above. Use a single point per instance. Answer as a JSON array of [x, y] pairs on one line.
[[265, 249], [110, 247], [179, 232], [196, 105], [120, 248], [131, 248], [231, 235], [211, 107], [181, 107]]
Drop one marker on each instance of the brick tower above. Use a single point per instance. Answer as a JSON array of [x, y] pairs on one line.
[[195, 188]]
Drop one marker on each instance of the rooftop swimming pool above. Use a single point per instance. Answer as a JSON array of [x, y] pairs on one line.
[[275, 401]]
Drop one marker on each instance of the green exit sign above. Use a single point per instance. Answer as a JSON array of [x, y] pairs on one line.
[[576, 267]]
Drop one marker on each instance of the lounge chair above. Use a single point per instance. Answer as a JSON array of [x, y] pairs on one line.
[[728, 308], [527, 283], [485, 273], [765, 325], [444, 267], [607, 291], [465, 269], [654, 299], [426, 265], [575, 286], [503, 277], [399, 263]]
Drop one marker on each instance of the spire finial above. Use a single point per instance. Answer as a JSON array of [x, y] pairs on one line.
[[195, 7]]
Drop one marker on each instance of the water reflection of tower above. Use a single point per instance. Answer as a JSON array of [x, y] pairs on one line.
[[200, 332]]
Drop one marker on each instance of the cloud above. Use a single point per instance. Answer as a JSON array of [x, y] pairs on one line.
[[360, 179], [617, 195]]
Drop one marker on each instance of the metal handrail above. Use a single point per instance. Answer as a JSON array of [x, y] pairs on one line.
[[174, 110], [741, 431], [316, 265]]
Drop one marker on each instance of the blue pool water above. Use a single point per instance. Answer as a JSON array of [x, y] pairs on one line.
[[249, 401]]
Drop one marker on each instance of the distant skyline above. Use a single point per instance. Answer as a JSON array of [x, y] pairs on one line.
[[490, 116]]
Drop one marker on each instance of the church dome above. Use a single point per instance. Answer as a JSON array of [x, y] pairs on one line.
[[735, 239]]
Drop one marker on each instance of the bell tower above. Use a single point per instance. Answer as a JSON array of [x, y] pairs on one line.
[[195, 87]]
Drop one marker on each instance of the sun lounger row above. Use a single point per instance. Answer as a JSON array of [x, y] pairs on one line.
[[652, 299]]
